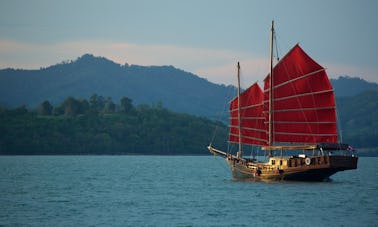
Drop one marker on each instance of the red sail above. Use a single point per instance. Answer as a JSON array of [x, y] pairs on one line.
[[253, 128], [303, 101]]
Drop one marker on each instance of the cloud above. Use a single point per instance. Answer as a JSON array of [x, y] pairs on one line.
[[216, 65], [118, 51]]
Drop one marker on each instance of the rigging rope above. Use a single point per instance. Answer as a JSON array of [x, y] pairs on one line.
[[220, 115], [275, 42], [338, 124]]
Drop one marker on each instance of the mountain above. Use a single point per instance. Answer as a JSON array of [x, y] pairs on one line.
[[176, 89], [351, 86]]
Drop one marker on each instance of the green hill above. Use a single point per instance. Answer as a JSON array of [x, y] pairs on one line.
[[178, 90], [141, 130]]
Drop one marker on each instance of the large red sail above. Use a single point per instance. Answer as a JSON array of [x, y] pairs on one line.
[[253, 128], [303, 101]]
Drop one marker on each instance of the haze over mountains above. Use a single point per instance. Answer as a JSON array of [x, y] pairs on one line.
[[176, 89]]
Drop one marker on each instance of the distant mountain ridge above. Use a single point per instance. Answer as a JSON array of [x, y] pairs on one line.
[[346, 86], [176, 89]]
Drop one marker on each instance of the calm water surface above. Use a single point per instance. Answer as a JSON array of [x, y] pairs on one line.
[[175, 191]]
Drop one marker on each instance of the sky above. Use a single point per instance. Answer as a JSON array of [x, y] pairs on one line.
[[205, 37]]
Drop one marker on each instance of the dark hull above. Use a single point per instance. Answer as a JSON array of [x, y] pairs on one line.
[[311, 175], [319, 169]]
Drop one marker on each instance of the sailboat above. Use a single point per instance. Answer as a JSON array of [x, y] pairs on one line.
[[293, 121]]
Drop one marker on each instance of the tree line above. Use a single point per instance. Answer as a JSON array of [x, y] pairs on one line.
[[100, 126], [96, 104]]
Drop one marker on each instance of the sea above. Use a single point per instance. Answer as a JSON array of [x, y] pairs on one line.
[[175, 191]]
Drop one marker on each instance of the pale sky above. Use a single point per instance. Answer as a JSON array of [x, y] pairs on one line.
[[205, 37]]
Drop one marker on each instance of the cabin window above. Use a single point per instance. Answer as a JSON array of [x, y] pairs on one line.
[[273, 162], [280, 162]]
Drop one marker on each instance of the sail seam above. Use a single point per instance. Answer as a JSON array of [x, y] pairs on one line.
[[301, 95], [303, 122], [306, 134], [246, 107], [298, 78], [304, 109], [248, 118], [248, 137], [251, 129], [251, 106], [295, 79]]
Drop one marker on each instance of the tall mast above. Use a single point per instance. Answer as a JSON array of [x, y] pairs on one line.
[[240, 152], [271, 88]]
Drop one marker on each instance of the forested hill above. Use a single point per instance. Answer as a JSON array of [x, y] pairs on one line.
[[358, 119], [98, 126], [178, 90]]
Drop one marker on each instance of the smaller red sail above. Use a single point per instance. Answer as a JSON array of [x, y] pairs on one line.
[[253, 127]]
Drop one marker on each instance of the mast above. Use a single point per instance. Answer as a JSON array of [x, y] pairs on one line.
[[240, 152], [271, 89]]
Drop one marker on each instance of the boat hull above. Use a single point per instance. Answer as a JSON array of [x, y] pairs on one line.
[[319, 168]]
